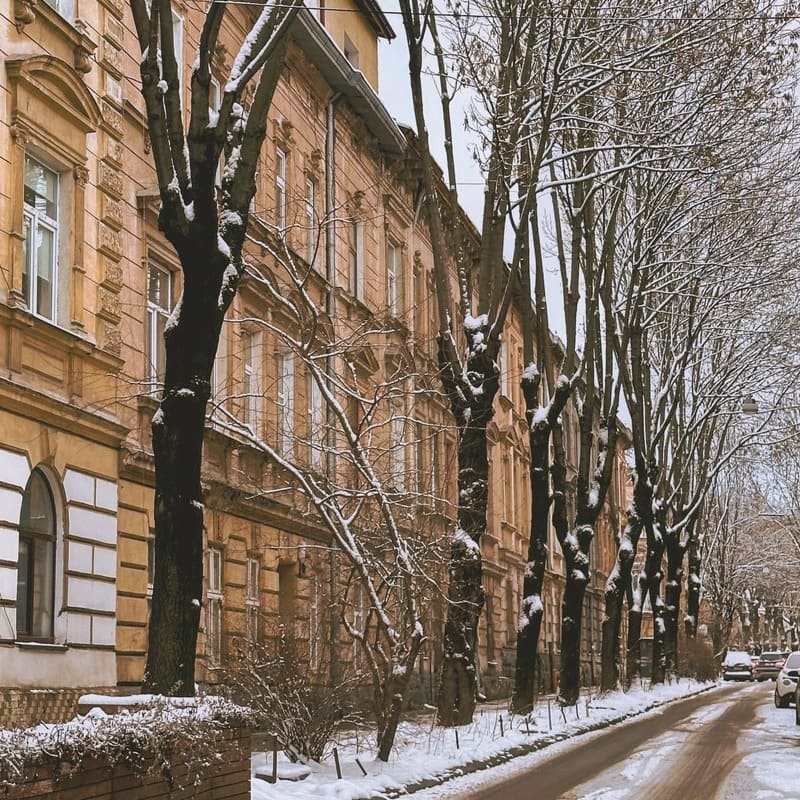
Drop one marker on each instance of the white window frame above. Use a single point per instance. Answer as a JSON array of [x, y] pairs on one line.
[[214, 607], [33, 221], [397, 445], [154, 313], [284, 401], [251, 389], [394, 288], [311, 220], [253, 600], [214, 104], [316, 423], [356, 259], [219, 373], [314, 624], [281, 159]]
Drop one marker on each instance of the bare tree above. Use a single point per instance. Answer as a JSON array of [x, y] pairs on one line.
[[471, 321], [207, 232], [353, 463]]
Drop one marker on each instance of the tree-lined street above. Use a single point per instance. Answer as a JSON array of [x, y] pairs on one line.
[[726, 744]]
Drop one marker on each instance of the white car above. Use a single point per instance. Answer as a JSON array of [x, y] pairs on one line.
[[737, 666], [786, 682]]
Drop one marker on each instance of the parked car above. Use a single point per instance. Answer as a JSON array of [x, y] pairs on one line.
[[787, 680], [737, 666], [797, 704], [769, 665]]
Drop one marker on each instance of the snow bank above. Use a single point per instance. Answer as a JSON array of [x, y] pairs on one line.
[[426, 755]]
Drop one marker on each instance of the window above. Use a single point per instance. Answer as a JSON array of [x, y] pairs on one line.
[[151, 562], [285, 403], [394, 292], [219, 375], [316, 422], [251, 358], [252, 603], [214, 104], [312, 233], [37, 561], [436, 467], [350, 52], [159, 306], [214, 607], [356, 259], [280, 189], [40, 242], [315, 624], [419, 460], [397, 447], [64, 7], [358, 622], [502, 366]]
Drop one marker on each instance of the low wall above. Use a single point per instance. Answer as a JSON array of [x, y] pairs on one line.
[[22, 708], [227, 778]]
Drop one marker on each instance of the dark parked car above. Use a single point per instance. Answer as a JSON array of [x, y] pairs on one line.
[[769, 665], [737, 666]]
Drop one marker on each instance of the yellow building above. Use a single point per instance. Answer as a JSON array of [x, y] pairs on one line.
[[88, 283]]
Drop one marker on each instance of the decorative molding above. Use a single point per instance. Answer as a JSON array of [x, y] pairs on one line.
[[81, 175], [109, 241], [83, 49], [112, 119], [109, 180], [24, 13]]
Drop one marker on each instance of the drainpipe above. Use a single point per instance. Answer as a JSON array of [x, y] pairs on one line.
[[330, 309]]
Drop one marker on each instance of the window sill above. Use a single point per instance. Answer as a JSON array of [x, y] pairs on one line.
[[49, 647]]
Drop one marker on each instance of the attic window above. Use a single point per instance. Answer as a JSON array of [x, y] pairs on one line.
[[350, 52]]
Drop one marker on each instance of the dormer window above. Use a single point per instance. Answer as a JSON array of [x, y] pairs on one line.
[[350, 52]]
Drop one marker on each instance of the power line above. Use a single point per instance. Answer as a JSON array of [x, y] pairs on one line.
[[471, 15]]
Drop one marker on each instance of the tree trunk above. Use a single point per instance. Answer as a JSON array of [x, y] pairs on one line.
[[576, 558], [530, 622], [532, 608], [633, 663], [616, 587], [693, 586], [653, 567], [178, 427], [672, 598], [458, 686], [391, 698]]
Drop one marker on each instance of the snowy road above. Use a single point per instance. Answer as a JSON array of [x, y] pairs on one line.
[[730, 745]]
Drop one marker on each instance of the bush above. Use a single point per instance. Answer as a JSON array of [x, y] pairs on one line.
[[697, 660], [287, 699], [152, 738]]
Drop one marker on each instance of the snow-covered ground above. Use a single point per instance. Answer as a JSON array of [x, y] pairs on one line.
[[424, 754]]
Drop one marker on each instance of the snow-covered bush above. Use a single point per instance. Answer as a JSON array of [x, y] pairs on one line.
[[288, 700], [157, 735]]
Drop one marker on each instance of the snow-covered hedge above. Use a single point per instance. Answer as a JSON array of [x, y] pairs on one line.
[[153, 735]]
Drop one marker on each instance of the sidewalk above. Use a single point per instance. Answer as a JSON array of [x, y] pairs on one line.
[[426, 755]]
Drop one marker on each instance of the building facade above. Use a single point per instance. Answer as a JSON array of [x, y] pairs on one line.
[[88, 283]]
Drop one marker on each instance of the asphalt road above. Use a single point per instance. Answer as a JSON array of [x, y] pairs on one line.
[[731, 744]]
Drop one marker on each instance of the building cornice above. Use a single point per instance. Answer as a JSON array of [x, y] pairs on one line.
[[350, 83]]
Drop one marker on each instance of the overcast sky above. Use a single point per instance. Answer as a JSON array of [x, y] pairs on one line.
[[396, 94]]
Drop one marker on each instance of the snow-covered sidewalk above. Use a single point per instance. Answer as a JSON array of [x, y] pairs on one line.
[[426, 755]]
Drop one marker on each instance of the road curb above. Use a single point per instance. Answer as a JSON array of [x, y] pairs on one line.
[[504, 756]]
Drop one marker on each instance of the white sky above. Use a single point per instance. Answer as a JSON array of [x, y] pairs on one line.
[[395, 92]]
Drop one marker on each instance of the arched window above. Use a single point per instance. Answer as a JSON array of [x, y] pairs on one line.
[[36, 564]]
